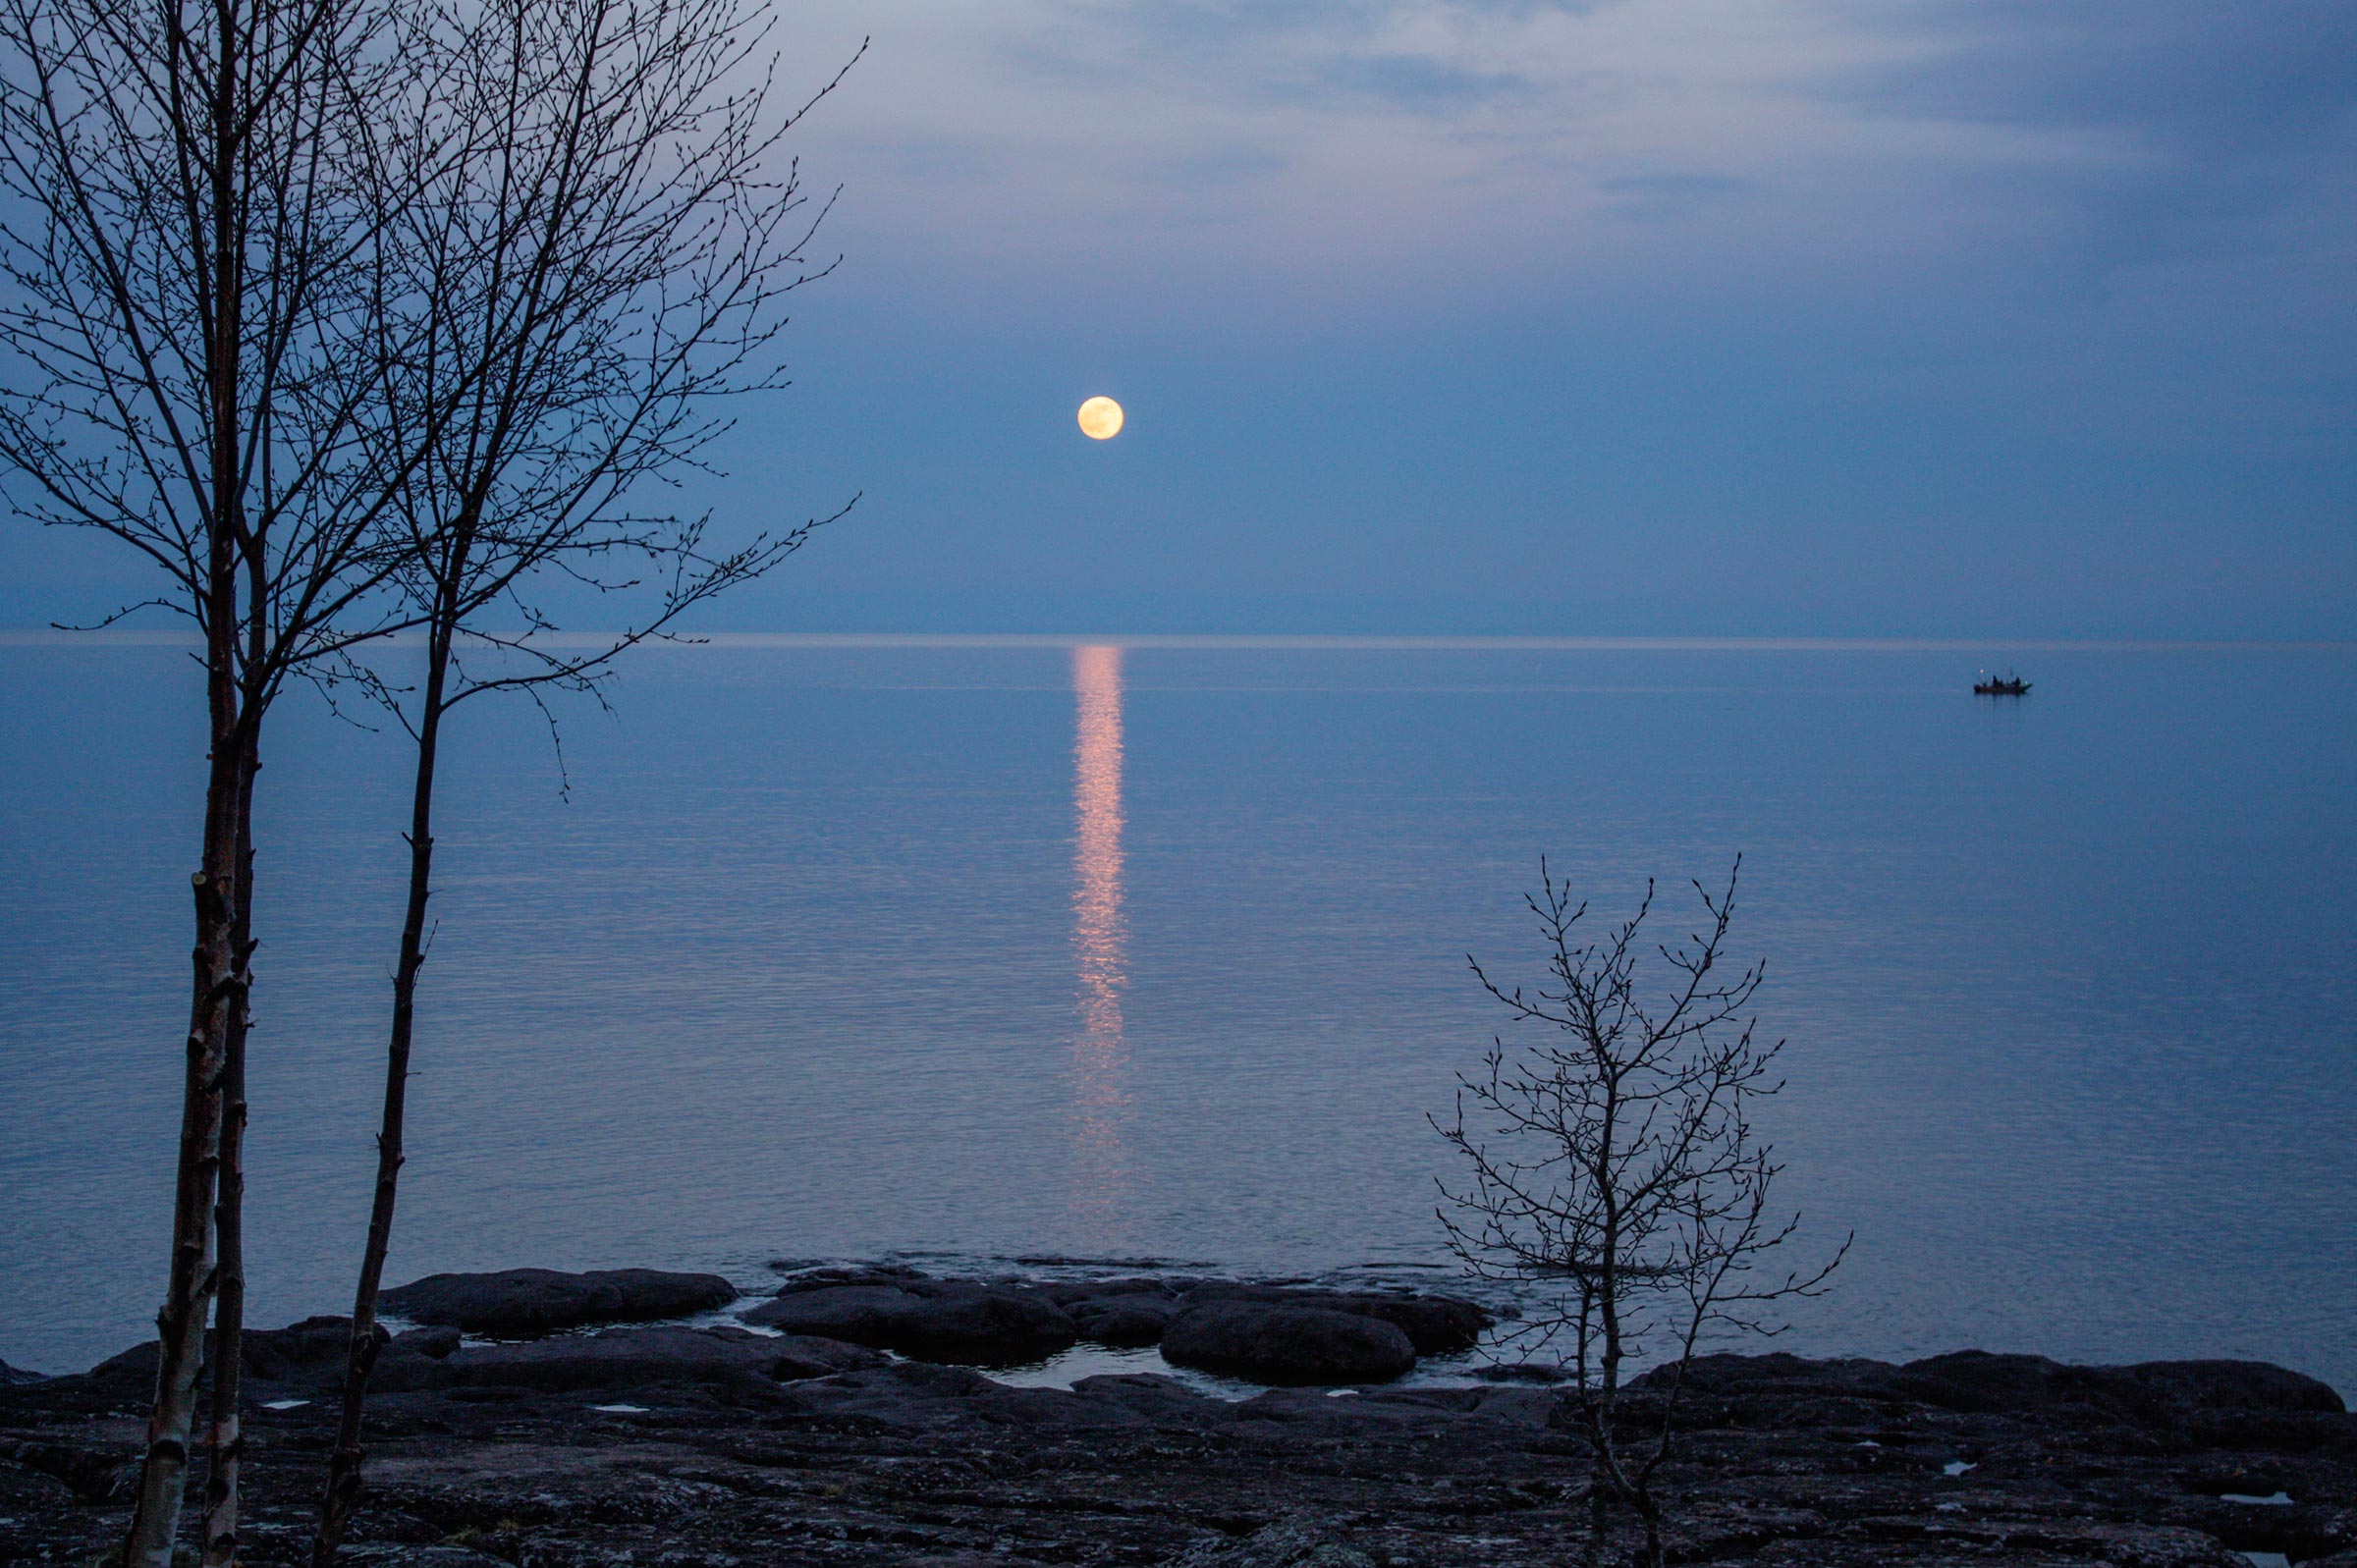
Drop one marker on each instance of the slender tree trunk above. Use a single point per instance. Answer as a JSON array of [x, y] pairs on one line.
[[1653, 1555], [344, 1468], [219, 245], [189, 1291], [1609, 1482], [227, 1448]]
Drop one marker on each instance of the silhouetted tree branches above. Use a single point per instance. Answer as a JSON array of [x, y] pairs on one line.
[[1613, 1163], [595, 270], [197, 201]]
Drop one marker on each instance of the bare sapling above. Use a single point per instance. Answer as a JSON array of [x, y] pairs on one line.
[[1612, 1168], [597, 268]]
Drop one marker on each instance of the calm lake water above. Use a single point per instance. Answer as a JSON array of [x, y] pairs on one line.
[[1154, 950]]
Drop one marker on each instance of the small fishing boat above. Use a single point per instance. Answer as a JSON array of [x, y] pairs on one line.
[[2008, 684]]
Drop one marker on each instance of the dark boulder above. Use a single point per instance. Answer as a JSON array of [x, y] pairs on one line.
[[862, 1315], [1777, 1374], [1540, 1373], [309, 1353], [2151, 1392], [432, 1343], [630, 1359], [1124, 1322], [302, 1351], [1979, 1382], [1071, 1292], [951, 1321], [1437, 1325], [918, 1314], [1123, 1313], [2234, 1385], [522, 1302], [1288, 1345]]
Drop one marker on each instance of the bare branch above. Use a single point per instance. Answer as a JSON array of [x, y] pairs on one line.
[[1613, 1163]]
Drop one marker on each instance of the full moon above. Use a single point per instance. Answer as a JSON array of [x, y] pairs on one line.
[[1099, 419]]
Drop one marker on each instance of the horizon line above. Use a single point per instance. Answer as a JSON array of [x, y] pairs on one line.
[[56, 636]]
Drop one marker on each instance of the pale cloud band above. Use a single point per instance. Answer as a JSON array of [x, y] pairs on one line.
[[1374, 141]]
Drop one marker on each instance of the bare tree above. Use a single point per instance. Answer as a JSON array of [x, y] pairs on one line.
[[1614, 1165], [198, 197], [599, 266]]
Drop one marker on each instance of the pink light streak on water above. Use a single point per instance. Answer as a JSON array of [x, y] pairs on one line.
[[1100, 934]]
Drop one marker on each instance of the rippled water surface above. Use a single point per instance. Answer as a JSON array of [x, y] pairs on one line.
[[1157, 951]]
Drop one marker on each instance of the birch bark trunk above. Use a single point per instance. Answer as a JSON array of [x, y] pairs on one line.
[[227, 1445], [188, 1292]]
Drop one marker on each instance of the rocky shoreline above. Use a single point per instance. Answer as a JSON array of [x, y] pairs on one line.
[[868, 1415]]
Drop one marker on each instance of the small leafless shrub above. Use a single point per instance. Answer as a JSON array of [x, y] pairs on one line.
[[1613, 1163]]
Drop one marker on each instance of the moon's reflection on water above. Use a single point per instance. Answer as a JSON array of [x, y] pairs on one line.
[[1100, 1053]]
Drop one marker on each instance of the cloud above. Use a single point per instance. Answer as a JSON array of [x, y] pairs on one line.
[[1218, 167], [1725, 148], [1338, 55], [1420, 83], [2214, 81], [1666, 196], [1229, 24], [2196, 111]]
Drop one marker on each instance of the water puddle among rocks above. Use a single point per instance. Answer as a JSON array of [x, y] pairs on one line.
[[1068, 1367]]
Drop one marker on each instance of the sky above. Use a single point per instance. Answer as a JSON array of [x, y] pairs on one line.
[[1633, 317]]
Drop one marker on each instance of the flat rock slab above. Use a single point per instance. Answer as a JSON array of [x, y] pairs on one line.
[[1786, 1464], [522, 1302], [627, 1360], [1290, 1544], [2144, 1392], [421, 1558]]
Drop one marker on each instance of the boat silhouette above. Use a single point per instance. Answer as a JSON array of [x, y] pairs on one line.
[[2008, 684]]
